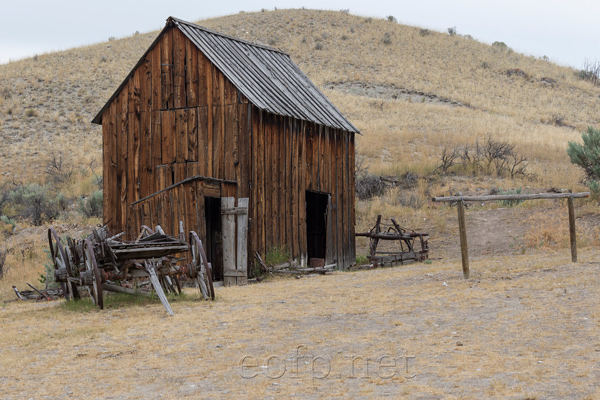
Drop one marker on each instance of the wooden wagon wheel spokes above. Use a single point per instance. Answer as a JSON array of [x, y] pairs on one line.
[[60, 260], [204, 274], [95, 286]]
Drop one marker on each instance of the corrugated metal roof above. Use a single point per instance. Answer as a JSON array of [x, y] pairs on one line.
[[266, 76]]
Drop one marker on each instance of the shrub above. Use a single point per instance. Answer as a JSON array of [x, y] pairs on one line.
[[500, 45], [91, 206], [587, 154], [424, 32], [452, 31], [590, 72], [391, 18], [594, 187], [510, 203], [387, 39], [31, 113], [318, 46], [35, 202]]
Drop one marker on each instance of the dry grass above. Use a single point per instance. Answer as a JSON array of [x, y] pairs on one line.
[[522, 326]]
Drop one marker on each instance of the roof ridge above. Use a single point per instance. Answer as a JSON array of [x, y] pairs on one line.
[[212, 32]]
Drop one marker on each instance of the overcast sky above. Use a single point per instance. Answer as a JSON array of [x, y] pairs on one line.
[[568, 32]]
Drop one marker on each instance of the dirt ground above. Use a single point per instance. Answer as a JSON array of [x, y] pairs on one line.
[[524, 326]]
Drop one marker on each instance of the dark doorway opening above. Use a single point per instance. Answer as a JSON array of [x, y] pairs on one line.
[[316, 224], [214, 242]]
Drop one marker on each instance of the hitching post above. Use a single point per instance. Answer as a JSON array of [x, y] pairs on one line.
[[462, 228], [572, 232]]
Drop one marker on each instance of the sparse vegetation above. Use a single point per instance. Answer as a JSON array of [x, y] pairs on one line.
[[587, 154], [34, 202], [91, 206], [590, 72]]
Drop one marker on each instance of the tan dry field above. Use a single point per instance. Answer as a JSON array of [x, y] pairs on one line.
[[524, 326], [521, 327]]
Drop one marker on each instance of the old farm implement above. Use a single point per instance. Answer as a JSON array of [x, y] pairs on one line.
[[104, 262], [400, 246]]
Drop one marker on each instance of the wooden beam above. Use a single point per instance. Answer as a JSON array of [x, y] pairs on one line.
[[534, 196], [464, 250], [573, 234]]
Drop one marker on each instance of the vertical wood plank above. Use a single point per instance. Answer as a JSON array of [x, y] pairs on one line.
[[145, 151], [242, 243], [122, 172], [254, 165], [203, 77], [156, 149], [352, 209], [166, 68], [179, 60], [340, 199], [192, 134], [228, 229], [217, 142], [191, 73], [296, 175], [203, 149], [281, 126], [146, 84], [181, 136], [155, 54], [133, 168], [268, 181], [229, 141], [167, 121], [288, 183], [260, 158], [302, 156]]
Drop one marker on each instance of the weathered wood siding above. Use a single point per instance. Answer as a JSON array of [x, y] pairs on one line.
[[290, 157], [178, 116]]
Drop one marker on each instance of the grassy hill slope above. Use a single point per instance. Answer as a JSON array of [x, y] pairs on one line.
[[410, 91]]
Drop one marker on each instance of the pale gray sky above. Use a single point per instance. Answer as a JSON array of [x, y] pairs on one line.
[[567, 32]]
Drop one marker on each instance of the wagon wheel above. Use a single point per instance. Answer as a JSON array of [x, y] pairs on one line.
[[95, 286], [200, 262], [61, 261], [75, 259]]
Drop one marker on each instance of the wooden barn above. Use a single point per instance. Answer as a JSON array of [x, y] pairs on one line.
[[205, 116]]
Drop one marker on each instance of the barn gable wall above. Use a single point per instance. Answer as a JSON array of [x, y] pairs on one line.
[[178, 117]]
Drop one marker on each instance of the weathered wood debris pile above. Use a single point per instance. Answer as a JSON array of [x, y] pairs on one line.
[[291, 267], [104, 262], [405, 238]]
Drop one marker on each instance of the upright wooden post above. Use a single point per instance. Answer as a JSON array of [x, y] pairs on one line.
[[572, 229], [242, 242], [228, 229], [464, 250]]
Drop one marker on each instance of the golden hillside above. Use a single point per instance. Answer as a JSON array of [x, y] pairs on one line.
[[409, 90]]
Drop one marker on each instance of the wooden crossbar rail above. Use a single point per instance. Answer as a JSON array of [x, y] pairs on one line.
[[464, 249], [534, 196]]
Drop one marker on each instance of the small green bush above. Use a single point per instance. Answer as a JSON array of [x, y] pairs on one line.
[[31, 113], [277, 255], [91, 206], [587, 154], [594, 187], [361, 259], [510, 203]]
